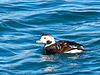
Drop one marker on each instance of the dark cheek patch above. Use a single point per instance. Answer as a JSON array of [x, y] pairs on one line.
[[48, 42]]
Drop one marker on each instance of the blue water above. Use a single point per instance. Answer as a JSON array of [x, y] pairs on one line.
[[22, 22]]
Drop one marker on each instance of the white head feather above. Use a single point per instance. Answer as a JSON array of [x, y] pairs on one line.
[[47, 39]]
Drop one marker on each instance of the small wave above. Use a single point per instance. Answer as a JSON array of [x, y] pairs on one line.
[[22, 22]]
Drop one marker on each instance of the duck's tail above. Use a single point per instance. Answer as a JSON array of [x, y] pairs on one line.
[[84, 50]]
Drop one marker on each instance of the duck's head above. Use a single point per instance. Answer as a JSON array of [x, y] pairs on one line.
[[47, 39]]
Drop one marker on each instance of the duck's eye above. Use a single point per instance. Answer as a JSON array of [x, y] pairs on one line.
[[44, 37]]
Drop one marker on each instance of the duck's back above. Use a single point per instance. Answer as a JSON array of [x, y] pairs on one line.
[[63, 46]]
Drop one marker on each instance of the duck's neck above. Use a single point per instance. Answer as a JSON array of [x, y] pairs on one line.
[[49, 43]]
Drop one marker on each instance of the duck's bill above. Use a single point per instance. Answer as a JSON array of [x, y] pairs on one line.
[[39, 41]]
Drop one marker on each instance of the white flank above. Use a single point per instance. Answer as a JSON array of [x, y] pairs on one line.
[[74, 51]]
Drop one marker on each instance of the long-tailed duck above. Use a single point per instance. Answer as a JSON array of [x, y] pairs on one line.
[[62, 46]]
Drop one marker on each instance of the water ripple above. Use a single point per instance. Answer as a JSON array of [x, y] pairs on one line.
[[22, 22]]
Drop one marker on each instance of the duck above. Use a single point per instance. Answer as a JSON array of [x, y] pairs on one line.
[[62, 46]]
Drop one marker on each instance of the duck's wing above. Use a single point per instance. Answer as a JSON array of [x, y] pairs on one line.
[[69, 45]]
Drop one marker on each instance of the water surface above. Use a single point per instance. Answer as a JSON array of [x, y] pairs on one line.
[[22, 22]]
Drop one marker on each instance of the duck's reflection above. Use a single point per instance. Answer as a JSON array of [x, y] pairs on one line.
[[51, 68], [59, 59], [49, 57]]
